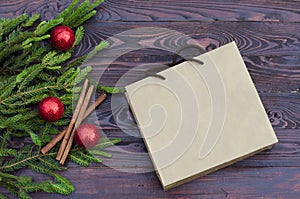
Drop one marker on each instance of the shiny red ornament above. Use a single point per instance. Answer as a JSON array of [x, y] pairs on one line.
[[87, 135], [62, 37], [51, 109]]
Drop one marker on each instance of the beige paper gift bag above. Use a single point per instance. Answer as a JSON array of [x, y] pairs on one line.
[[202, 117]]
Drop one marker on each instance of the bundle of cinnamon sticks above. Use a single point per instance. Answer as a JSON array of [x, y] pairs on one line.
[[81, 112]]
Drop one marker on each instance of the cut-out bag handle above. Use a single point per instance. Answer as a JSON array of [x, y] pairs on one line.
[[153, 72]]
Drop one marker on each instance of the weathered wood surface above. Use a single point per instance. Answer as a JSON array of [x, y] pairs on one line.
[[231, 182], [169, 10], [268, 36]]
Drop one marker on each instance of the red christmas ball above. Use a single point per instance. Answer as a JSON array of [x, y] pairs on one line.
[[62, 37], [51, 109], [87, 135]]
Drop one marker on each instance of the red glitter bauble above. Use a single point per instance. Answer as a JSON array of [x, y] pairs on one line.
[[51, 109], [62, 37], [87, 135]]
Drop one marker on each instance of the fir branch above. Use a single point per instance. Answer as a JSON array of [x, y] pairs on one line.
[[78, 35], [7, 88], [87, 155], [102, 153], [8, 51], [29, 92], [51, 164], [111, 90], [65, 75], [45, 186], [16, 37], [105, 142], [35, 138], [78, 160], [9, 122], [7, 152], [102, 45], [29, 72], [62, 122], [27, 75], [76, 62], [82, 75], [43, 27], [8, 25], [81, 13], [4, 139], [107, 89], [43, 134], [68, 10], [61, 188], [84, 18], [15, 165], [28, 42], [6, 175], [31, 21], [70, 79], [24, 179], [20, 162], [2, 196], [23, 195]]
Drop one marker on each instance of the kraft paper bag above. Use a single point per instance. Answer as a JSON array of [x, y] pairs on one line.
[[202, 117]]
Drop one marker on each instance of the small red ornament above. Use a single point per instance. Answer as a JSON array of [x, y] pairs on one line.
[[87, 135], [51, 109], [62, 37]]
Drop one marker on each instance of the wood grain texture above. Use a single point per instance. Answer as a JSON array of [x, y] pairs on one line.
[[193, 10], [170, 10], [278, 74], [132, 156], [255, 38], [114, 113], [276, 182], [268, 36], [271, 54]]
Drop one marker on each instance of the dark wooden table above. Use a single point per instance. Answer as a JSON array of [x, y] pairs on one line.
[[268, 36]]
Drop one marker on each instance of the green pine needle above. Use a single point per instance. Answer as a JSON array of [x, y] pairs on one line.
[[31, 21], [29, 72], [2, 196]]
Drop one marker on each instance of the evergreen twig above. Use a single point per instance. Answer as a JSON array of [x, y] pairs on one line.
[[29, 72]]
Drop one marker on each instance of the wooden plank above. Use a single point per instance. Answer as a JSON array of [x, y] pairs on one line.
[[283, 110], [270, 74], [252, 38], [272, 59], [170, 10], [229, 182], [277, 165], [269, 42], [132, 154], [193, 10]]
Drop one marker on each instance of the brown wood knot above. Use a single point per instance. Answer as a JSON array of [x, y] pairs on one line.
[[210, 47], [275, 117]]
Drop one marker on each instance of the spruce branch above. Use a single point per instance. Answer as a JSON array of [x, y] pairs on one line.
[[29, 22], [30, 70], [68, 10], [8, 25], [81, 13], [78, 35], [46, 26]]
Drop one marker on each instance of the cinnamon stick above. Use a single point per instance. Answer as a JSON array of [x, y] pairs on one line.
[[60, 135], [98, 101], [78, 122], [54, 141], [73, 120]]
